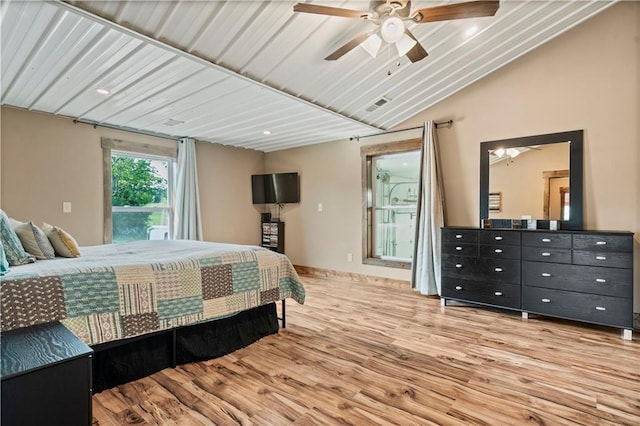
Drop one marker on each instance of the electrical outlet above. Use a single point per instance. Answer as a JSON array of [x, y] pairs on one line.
[[349, 257], [66, 207], [319, 207]]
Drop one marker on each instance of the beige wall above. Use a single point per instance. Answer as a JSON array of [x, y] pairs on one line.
[[585, 79], [224, 180], [46, 160]]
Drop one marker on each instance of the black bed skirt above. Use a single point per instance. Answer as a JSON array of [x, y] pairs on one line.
[[123, 361]]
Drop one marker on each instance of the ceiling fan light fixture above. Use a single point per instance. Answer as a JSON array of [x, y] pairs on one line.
[[372, 45], [405, 44], [392, 29]]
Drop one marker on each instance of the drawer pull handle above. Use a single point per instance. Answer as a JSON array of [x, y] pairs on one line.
[[458, 287], [601, 243], [546, 300], [459, 248], [601, 280], [546, 240], [498, 269], [498, 238], [546, 254], [458, 236], [601, 257], [546, 274], [498, 293], [498, 250], [458, 265], [600, 308]]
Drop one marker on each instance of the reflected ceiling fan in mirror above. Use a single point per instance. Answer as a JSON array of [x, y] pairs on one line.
[[390, 16]]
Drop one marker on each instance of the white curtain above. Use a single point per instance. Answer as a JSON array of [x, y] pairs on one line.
[[425, 276], [188, 220]]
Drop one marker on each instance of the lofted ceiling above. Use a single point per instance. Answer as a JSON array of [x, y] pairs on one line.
[[227, 71]]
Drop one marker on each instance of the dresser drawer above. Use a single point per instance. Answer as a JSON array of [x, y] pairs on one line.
[[459, 235], [605, 310], [546, 239], [583, 279], [460, 249], [603, 242], [609, 259], [545, 254], [498, 270], [458, 266], [502, 237], [500, 251], [496, 294]]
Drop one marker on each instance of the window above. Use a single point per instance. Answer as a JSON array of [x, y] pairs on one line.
[[138, 191], [391, 177], [140, 197]]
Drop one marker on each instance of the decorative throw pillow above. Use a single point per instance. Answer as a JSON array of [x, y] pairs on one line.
[[16, 255], [4, 264], [34, 240], [63, 243]]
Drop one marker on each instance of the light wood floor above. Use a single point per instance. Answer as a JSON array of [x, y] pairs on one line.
[[360, 354]]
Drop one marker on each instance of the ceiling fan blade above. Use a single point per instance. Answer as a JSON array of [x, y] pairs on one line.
[[472, 9], [347, 47], [328, 10], [417, 52]]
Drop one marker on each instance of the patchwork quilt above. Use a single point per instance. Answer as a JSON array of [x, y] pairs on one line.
[[116, 291]]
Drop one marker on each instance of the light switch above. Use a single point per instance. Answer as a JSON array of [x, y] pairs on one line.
[[66, 207]]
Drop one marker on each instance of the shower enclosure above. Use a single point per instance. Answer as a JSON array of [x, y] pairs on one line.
[[394, 198]]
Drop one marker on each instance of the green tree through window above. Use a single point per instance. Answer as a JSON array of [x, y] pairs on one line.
[[135, 182]]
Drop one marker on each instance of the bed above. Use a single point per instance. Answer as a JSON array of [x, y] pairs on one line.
[[146, 305]]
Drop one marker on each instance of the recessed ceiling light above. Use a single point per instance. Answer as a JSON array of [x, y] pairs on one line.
[[471, 31], [266, 132], [405, 164], [103, 91]]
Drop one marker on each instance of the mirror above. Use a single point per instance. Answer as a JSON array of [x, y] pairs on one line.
[[537, 176]]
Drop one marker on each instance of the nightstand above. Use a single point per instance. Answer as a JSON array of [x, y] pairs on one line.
[[46, 377]]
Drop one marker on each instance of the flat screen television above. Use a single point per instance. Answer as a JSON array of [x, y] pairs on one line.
[[275, 188]]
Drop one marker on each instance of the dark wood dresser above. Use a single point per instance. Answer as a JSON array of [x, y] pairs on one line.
[[46, 377], [577, 275]]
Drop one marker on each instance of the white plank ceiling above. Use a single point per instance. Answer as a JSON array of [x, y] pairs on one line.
[[226, 71]]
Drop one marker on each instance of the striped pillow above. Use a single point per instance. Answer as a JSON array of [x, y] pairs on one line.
[[34, 240]]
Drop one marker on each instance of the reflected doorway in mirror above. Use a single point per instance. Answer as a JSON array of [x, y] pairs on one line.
[[556, 194]]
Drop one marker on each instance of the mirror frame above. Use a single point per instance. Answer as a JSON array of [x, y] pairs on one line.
[[576, 150]]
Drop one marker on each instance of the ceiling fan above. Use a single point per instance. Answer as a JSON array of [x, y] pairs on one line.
[[390, 16]]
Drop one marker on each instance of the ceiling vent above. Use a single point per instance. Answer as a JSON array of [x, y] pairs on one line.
[[171, 122], [378, 104]]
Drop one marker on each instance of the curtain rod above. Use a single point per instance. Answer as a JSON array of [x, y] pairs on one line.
[[126, 129], [447, 123]]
